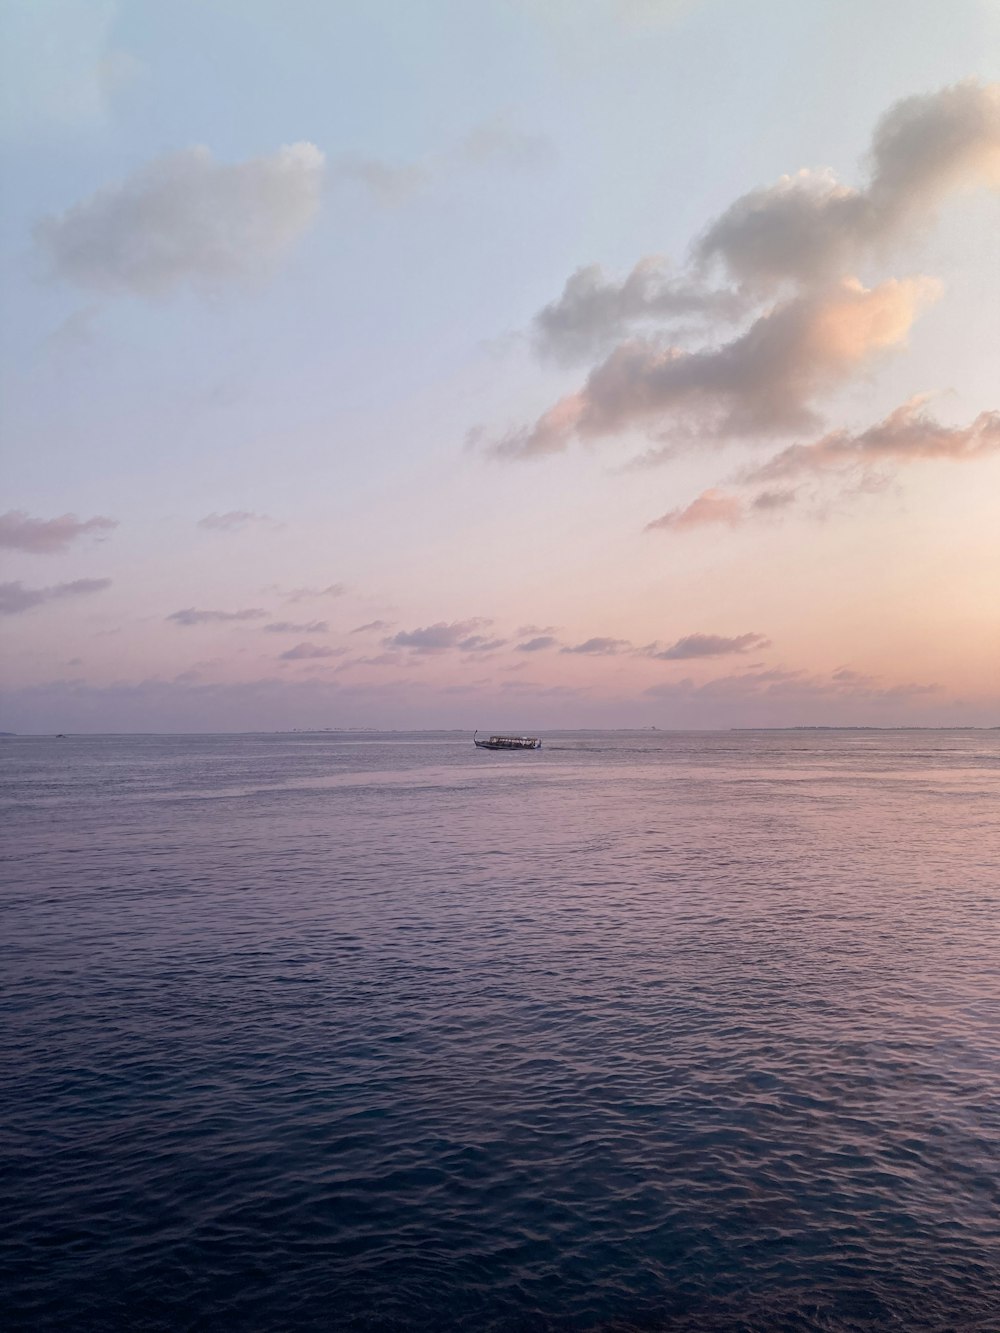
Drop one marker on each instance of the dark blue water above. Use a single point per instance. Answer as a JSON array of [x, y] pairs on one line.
[[645, 1031]]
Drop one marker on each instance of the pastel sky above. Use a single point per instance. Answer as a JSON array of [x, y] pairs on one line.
[[515, 363]]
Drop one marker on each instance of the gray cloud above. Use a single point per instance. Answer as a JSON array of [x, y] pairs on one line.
[[706, 645], [480, 643], [908, 434], [372, 626], [598, 647], [809, 227], [190, 616], [291, 627], [305, 651], [765, 381], [594, 310], [440, 637], [43, 536], [186, 220], [232, 520], [15, 597], [538, 644]]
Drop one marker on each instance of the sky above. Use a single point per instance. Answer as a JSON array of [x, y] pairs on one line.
[[520, 363]]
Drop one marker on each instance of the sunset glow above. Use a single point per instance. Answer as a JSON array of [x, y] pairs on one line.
[[354, 380]]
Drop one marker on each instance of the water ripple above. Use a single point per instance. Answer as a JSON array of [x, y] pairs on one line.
[[638, 1033]]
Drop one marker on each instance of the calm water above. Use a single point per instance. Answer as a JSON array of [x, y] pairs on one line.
[[646, 1031]]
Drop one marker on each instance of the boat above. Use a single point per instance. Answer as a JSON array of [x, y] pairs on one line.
[[507, 742]]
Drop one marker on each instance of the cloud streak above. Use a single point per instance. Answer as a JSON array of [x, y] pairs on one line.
[[908, 434], [443, 636], [598, 647], [706, 645], [293, 627], [45, 536], [232, 520], [15, 598], [309, 651]]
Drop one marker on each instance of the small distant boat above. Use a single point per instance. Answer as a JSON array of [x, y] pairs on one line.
[[507, 742]]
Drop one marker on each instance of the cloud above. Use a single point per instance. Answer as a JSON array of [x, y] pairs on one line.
[[232, 521], [43, 536], [908, 434], [372, 626], [186, 220], [765, 381], [190, 616], [712, 506], [441, 636], [303, 651], [717, 506], [598, 647], [809, 227], [15, 597], [305, 594], [290, 627], [706, 645], [538, 644], [479, 643], [594, 310]]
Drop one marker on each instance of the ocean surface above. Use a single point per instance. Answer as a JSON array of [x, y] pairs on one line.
[[646, 1031]]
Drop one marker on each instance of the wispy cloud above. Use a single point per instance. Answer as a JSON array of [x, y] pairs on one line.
[[308, 651], [306, 594], [372, 627], [15, 597], [297, 627], [44, 536], [189, 615], [186, 220], [232, 520], [716, 506], [908, 434], [442, 636], [712, 506], [538, 644], [598, 647], [706, 645]]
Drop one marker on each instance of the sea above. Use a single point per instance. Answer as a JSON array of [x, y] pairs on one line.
[[643, 1031]]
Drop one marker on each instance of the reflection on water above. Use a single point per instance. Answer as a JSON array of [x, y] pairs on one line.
[[646, 1031]]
